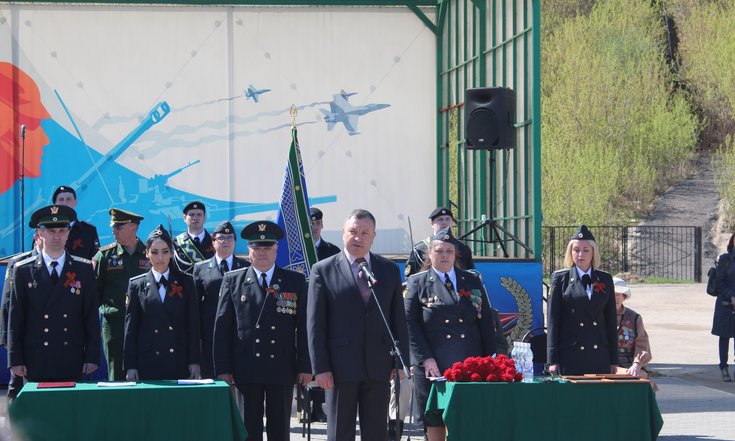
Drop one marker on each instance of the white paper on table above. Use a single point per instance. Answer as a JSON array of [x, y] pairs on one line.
[[437, 378], [115, 383], [191, 381]]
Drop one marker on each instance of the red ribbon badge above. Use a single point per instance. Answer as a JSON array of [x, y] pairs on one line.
[[465, 293], [176, 290], [598, 287], [71, 279]]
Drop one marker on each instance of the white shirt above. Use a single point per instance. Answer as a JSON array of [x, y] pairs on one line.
[[588, 289], [452, 277], [268, 275], [200, 236], [161, 288], [47, 260], [352, 259], [229, 260]]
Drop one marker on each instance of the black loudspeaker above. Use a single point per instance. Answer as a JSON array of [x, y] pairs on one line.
[[490, 118]]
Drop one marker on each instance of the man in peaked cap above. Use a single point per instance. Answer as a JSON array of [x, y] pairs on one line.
[[115, 264], [260, 334], [83, 239], [324, 249], [53, 330], [441, 219], [208, 276], [195, 244]]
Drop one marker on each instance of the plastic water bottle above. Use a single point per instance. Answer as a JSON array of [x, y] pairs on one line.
[[516, 355], [527, 363]]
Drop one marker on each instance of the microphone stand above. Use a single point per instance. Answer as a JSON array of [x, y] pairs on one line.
[[395, 352], [22, 186]]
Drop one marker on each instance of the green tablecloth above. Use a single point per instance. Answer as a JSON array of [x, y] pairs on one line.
[[156, 410], [546, 411]]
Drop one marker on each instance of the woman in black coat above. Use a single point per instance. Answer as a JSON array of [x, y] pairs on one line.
[[723, 323], [582, 328], [447, 321], [161, 319]]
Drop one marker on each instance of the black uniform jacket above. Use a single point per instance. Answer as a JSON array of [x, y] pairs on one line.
[[186, 260], [53, 330], [207, 281], [326, 249], [582, 332], [420, 250], [440, 327], [261, 338], [161, 338], [7, 291], [83, 240], [346, 336]]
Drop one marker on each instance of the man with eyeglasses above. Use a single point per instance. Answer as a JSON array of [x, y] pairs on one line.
[[115, 264], [53, 329], [208, 277], [195, 244]]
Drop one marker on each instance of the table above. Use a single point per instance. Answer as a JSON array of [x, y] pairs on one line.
[[546, 411], [154, 410]]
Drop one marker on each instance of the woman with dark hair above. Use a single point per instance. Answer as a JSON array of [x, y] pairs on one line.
[[449, 319], [582, 330], [723, 323], [161, 319]]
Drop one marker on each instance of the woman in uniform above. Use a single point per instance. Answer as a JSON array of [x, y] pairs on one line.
[[723, 322], [161, 319], [449, 319], [582, 334]]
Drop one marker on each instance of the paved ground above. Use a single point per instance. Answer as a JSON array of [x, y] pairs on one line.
[[695, 403]]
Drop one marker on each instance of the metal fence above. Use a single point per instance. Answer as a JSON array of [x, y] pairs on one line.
[[670, 252]]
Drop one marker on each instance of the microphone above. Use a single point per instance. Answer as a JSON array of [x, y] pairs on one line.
[[23, 131], [368, 275]]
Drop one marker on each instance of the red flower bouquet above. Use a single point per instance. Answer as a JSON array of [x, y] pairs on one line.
[[484, 369]]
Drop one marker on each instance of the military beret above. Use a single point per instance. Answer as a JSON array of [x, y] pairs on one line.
[[160, 233], [224, 228], [262, 233], [583, 233], [52, 216], [315, 214], [195, 205], [63, 189], [119, 217], [444, 235], [441, 211]]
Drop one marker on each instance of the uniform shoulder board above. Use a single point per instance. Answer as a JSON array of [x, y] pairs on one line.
[[564, 270], [203, 262], [25, 261], [239, 270], [473, 273], [109, 247], [138, 276], [420, 273], [80, 259]]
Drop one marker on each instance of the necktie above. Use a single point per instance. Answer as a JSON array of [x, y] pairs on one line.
[[586, 281], [362, 284], [263, 282], [450, 286], [223, 267], [197, 242], [163, 283], [54, 275]]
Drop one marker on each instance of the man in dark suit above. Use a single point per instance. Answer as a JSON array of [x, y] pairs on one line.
[[260, 336], [195, 244], [83, 239], [53, 330], [441, 219], [348, 342], [324, 249], [208, 277]]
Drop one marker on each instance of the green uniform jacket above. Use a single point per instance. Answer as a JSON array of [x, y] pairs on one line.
[[115, 268]]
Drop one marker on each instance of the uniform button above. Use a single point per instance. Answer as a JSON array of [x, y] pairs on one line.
[[45, 329], [171, 350], [155, 331], [170, 328], [273, 356], [273, 342], [273, 328], [65, 316], [257, 354], [461, 336], [595, 346], [581, 348], [581, 324], [594, 323], [45, 343], [461, 321], [158, 353], [257, 326], [257, 340], [66, 343], [446, 321], [449, 335], [66, 329], [45, 316]]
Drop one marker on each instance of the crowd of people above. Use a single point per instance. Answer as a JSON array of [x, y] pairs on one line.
[[187, 307]]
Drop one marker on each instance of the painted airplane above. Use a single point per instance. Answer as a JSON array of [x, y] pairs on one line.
[[254, 93], [341, 111]]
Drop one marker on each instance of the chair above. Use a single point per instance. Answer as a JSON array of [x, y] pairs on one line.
[[538, 344]]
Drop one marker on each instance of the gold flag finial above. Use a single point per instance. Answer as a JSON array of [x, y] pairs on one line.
[[293, 114]]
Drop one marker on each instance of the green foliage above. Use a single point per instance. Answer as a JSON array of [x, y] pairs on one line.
[[725, 178], [614, 131]]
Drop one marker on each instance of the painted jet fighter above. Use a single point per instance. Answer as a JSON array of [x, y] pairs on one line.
[[254, 93], [341, 111]]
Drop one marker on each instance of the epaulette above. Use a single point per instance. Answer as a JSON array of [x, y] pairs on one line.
[[474, 273], [203, 262], [25, 261], [239, 270], [80, 259], [109, 247], [138, 276], [419, 273], [561, 271]]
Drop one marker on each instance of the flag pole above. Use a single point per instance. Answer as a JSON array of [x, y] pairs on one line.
[[293, 114]]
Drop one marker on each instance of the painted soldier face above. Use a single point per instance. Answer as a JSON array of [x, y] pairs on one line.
[[194, 220], [442, 223], [358, 236], [582, 254], [442, 255], [66, 198], [53, 240], [263, 258], [316, 229], [159, 254], [224, 244]]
